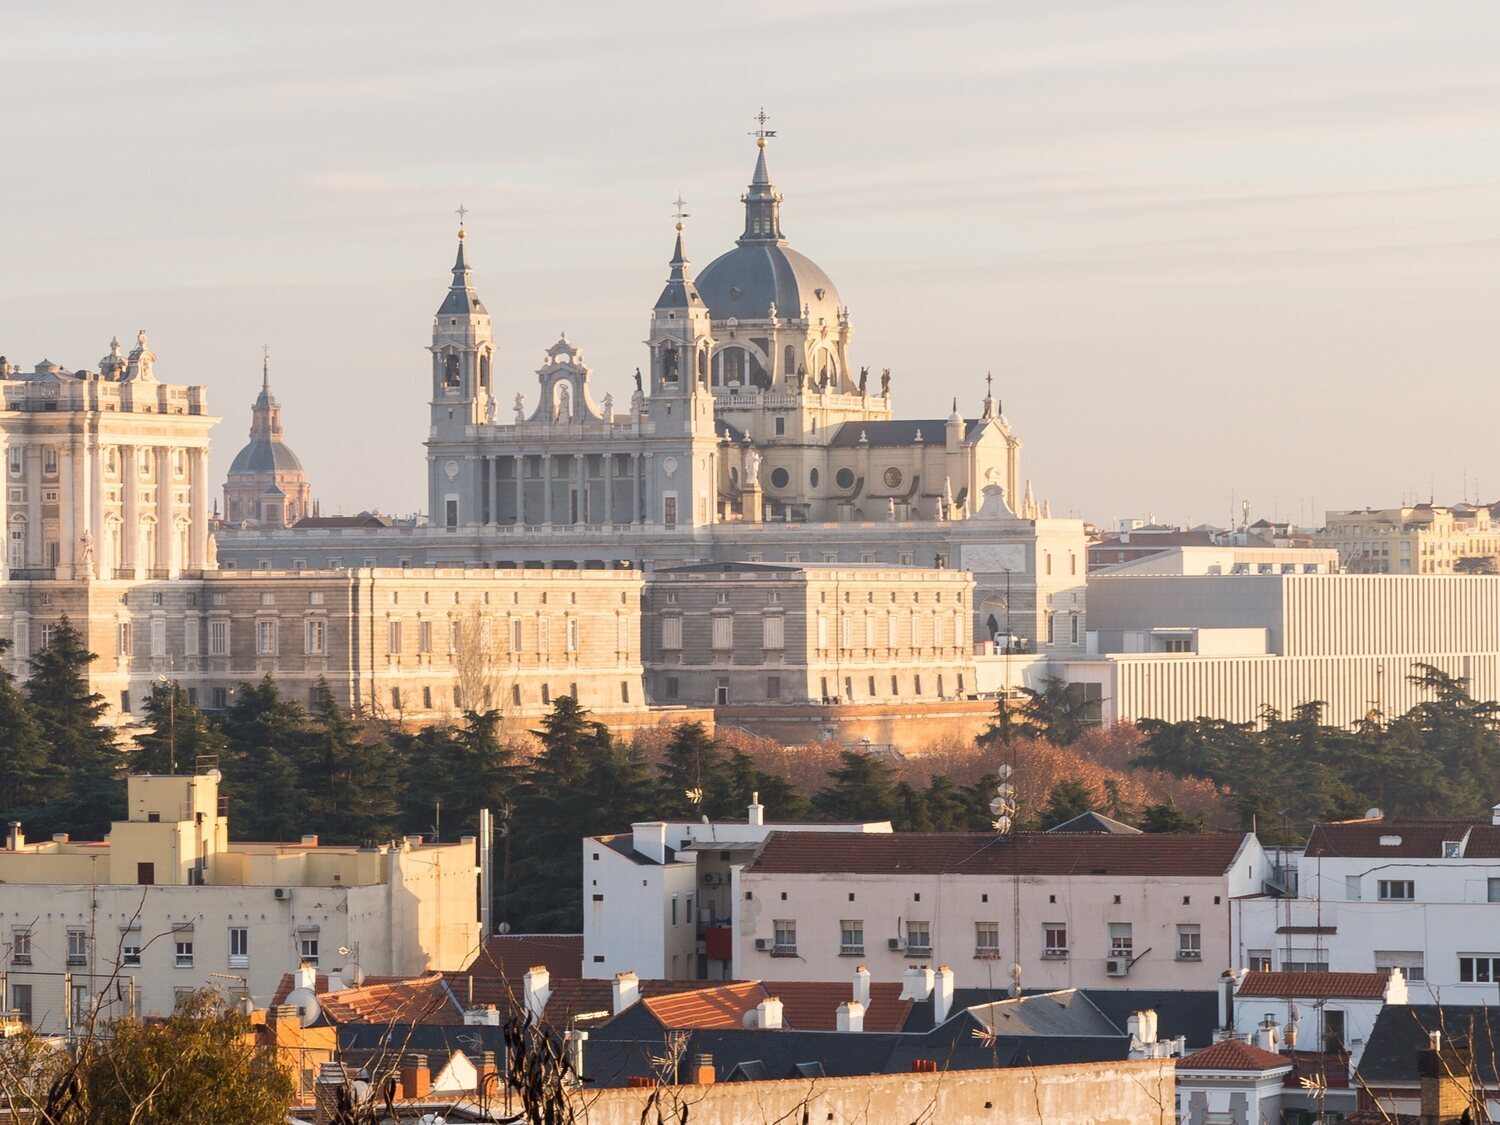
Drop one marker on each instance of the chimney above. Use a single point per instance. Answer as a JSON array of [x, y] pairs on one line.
[[1494, 815], [59, 837], [627, 990], [756, 815], [1227, 986], [489, 1073], [862, 986], [702, 1073], [650, 839], [486, 1016], [307, 977], [416, 1079], [15, 839], [768, 1014], [536, 989], [916, 983], [1447, 1084], [310, 840], [336, 981], [942, 997], [851, 1016], [1268, 1034], [573, 1043]]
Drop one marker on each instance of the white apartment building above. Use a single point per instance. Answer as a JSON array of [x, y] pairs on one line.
[[1375, 895], [659, 900], [1174, 647], [166, 904], [1085, 910]]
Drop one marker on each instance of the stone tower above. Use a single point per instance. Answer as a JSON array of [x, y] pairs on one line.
[[266, 485]]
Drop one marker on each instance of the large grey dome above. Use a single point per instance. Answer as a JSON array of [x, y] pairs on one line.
[[744, 282], [264, 455]]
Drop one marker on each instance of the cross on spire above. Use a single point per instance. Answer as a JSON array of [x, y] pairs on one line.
[[461, 212], [989, 385], [678, 211], [760, 133]]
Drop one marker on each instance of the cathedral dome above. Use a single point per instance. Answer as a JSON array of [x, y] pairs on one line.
[[265, 455], [746, 281]]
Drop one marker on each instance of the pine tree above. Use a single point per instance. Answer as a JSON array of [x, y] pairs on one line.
[[28, 778], [1068, 799], [177, 734], [693, 778], [862, 788], [349, 772], [68, 715], [268, 737]]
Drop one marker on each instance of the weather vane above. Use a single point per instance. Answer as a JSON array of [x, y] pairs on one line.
[[678, 213], [762, 132]]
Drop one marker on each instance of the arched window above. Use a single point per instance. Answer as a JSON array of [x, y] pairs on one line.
[[451, 379], [669, 364], [484, 371], [791, 362], [703, 363]]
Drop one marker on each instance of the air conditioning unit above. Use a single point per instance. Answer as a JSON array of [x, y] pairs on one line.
[[1116, 966], [896, 944], [282, 894], [712, 880], [763, 944]]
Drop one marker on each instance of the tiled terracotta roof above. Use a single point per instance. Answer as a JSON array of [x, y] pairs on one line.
[[1418, 839], [508, 956], [984, 853], [718, 1006], [420, 1000], [1233, 1054], [813, 1005], [1315, 986], [289, 981]]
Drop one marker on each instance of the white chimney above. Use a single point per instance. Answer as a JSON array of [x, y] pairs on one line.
[[536, 986], [487, 1016], [573, 1043], [851, 1016], [1227, 988], [627, 990], [1395, 987], [336, 981], [1495, 814], [307, 977], [1268, 1034], [916, 983], [650, 839], [862, 986], [757, 812], [768, 1014], [942, 997]]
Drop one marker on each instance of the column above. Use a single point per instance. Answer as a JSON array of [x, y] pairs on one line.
[[635, 489], [69, 508], [648, 514], [581, 477], [608, 462], [518, 464], [547, 488], [33, 506], [130, 495], [494, 490], [96, 507], [198, 499], [166, 534], [4, 510]]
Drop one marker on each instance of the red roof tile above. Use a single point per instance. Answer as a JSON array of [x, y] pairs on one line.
[[423, 1000], [813, 1005], [984, 853], [508, 956], [1315, 986], [289, 981], [719, 1006], [1415, 839], [1233, 1054]]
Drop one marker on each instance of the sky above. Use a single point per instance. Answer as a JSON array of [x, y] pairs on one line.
[[1211, 252]]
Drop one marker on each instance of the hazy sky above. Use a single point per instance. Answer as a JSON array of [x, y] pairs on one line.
[[1208, 250]]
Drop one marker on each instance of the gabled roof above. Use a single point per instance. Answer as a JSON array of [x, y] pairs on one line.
[[420, 1000], [1234, 1054], [1315, 986], [719, 1006], [289, 981], [508, 956], [1093, 821], [984, 853], [1068, 1012], [1404, 839], [813, 1005], [1401, 1033]]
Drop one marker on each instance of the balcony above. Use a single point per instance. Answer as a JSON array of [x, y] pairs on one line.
[[851, 951], [783, 951]]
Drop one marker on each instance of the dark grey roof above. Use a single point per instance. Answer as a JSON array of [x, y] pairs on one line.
[[728, 429], [903, 431], [1191, 1014], [1092, 821], [1068, 1012], [624, 844], [680, 292], [744, 282], [265, 455], [461, 297], [1401, 1032], [732, 568]]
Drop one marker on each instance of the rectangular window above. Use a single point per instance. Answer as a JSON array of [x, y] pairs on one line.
[[78, 947], [20, 1001], [307, 950], [393, 636], [773, 631], [785, 941], [20, 946], [987, 940], [220, 697], [184, 953], [1397, 890], [1479, 968], [671, 632], [123, 646], [1189, 943], [918, 938], [669, 689], [723, 631], [1055, 939], [852, 937], [823, 633], [1074, 628], [1351, 888], [317, 640], [1259, 960], [15, 460], [572, 634], [265, 638], [669, 511], [159, 637], [424, 636], [49, 461], [48, 632], [396, 698], [1494, 888], [773, 687], [892, 631], [1121, 941], [239, 947], [1411, 962], [130, 952]]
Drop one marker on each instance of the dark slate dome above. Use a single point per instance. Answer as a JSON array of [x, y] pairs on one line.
[[744, 282], [263, 455]]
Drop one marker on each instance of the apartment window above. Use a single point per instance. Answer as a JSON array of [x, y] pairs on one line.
[[1189, 943], [78, 946], [572, 634], [265, 638], [48, 632], [220, 696], [1351, 888], [987, 940], [184, 953], [1121, 942], [393, 636], [852, 937], [315, 597], [1479, 968], [1073, 627], [130, 952], [671, 632], [1451, 849], [239, 947], [723, 632], [1397, 890], [307, 950], [1494, 885], [1051, 628], [1055, 939], [1411, 962], [15, 461], [785, 940], [1259, 960], [918, 938], [773, 631], [396, 698], [49, 461], [20, 946], [317, 640], [1304, 961], [267, 599], [546, 695], [123, 646], [773, 687], [424, 636]]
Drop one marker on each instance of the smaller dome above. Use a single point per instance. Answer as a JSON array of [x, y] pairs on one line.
[[263, 455]]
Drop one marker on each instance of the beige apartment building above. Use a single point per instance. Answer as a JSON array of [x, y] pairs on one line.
[[743, 633], [1420, 539], [166, 904]]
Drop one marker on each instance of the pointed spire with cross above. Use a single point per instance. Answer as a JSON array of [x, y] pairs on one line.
[[461, 212], [265, 368], [760, 132]]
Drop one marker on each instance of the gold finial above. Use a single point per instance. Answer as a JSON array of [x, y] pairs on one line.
[[678, 213], [760, 133], [461, 212]]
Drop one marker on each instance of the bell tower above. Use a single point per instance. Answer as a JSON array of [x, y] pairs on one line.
[[681, 343], [462, 350]]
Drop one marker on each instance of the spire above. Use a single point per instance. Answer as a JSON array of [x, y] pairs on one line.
[[680, 292], [762, 203], [461, 296], [265, 414]]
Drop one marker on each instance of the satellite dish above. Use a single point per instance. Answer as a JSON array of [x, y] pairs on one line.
[[215, 774], [355, 975], [503, 928], [305, 1000]]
